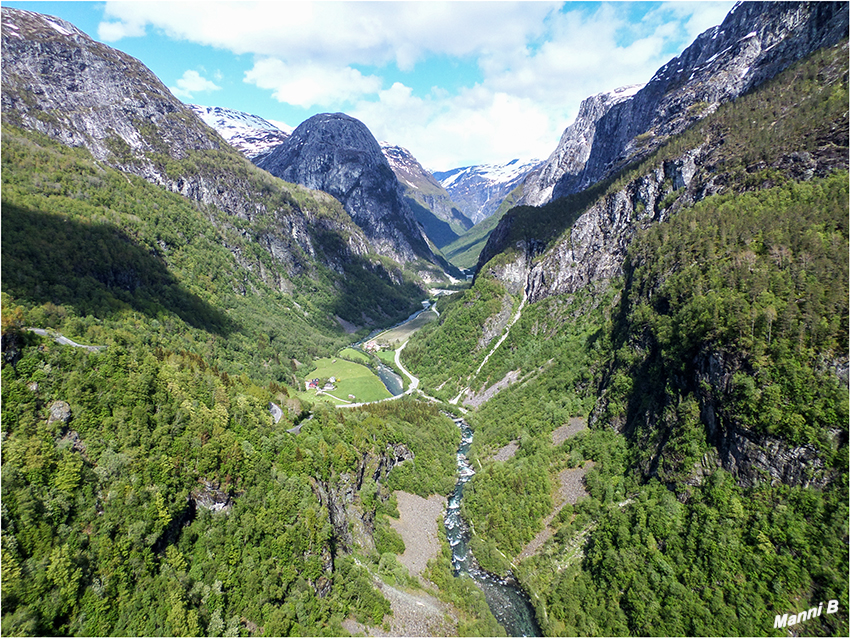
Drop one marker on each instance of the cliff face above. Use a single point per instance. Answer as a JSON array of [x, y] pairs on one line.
[[441, 219], [755, 42], [60, 82], [336, 153], [573, 149]]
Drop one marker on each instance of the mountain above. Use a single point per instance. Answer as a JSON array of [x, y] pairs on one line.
[[249, 134], [430, 202], [657, 357], [755, 42], [574, 147], [479, 190], [336, 153], [59, 82]]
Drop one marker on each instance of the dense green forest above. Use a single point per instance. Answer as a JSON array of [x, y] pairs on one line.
[[144, 261], [146, 488], [755, 280], [104, 531]]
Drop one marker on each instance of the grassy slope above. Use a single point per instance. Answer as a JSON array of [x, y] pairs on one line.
[[463, 252], [351, 378]]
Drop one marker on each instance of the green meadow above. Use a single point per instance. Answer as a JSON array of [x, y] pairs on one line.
[[351, 378]]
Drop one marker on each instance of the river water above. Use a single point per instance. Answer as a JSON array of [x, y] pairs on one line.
[[509, 604], [391, 380]]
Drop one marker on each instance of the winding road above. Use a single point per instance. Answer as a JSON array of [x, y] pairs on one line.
[[65, 341]]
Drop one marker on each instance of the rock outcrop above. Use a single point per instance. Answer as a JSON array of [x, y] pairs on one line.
[[755, 42], [336, 153], [569, 158], [597, 243], [753, 457]]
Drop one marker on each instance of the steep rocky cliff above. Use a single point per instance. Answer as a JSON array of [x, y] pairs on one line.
[[59, 82], [756, 41], [336, 153], [573, 149], [432, 205], [792, 129]]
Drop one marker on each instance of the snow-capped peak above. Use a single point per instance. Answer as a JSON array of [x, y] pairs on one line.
[[250, 134]]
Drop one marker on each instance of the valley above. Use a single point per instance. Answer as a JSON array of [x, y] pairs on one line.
[[261, 382]]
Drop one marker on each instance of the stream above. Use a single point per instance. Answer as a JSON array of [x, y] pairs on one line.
[[509, 604]]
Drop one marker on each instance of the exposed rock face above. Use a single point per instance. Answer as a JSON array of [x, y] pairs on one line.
[[423, 188], [597, 243], [573, 150], [60, 82], [59, 411], [751, 456], [756, 41], [336, 153], [210, 496], [480, 190], [354, 526]]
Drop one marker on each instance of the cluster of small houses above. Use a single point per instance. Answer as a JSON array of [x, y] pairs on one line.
[[372, 346], [313, 384]]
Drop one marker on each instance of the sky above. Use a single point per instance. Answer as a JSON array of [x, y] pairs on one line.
[[456, 83]]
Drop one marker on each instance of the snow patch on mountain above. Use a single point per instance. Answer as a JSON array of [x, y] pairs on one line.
[[250, 134], [480, 189]]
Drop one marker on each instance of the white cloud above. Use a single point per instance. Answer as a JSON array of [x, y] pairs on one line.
[[115, 30], [345, 32], [536, 61], [460, 130], [310, 84], [192, 82]]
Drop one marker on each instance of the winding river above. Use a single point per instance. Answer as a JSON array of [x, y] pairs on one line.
[[509, 604]]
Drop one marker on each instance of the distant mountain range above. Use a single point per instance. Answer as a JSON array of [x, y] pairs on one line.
[[479, 190], [446, 204]]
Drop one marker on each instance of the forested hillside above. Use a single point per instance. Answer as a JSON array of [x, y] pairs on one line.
[[711, 370], [147, 490]]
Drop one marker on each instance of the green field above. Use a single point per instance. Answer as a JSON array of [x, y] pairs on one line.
[[351, 378], [387, 356], [354, 355], [394, 337]]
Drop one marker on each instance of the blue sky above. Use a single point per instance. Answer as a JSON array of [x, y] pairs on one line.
[[456, 83]]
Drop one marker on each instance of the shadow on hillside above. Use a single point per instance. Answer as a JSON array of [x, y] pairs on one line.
[[97, 269], [367, 293]]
